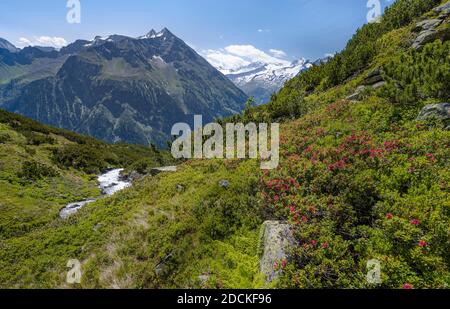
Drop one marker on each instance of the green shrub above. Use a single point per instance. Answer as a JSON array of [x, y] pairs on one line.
[[32, 170], [416, 76], [81, 157], [36, 139], [4, 138]]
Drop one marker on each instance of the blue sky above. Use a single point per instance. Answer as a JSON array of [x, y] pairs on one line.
[[299, 28]]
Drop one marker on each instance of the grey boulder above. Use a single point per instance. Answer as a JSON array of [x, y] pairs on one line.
[[427, 24], [437, 111], [224, 183], [166, 169], [425, 37], [276, 239], [443, 9]]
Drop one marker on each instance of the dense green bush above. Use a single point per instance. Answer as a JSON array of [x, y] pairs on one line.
[[81, 157], [416, 76], [32, 170], [36, 139], [4, 137]]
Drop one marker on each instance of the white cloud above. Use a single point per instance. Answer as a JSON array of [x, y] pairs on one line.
[[56, 42], [277, 53], [251, 53], [223, 60], [233, 57], [23, 42]]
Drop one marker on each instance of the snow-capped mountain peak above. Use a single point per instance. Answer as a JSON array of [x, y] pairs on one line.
[[153, 34], [258, 73], [261, 79]]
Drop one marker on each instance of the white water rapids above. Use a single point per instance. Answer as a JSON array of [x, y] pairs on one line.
[[109, 182]]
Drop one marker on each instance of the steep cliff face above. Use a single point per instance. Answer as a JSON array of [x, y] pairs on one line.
[[117, 88]]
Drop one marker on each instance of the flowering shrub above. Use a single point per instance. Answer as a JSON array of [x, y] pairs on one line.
[[373, 183], [354, 194]]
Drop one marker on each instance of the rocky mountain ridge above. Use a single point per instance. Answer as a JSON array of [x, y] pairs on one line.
[[116, 88]]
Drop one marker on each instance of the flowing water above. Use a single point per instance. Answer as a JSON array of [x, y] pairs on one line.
[[109, 182]]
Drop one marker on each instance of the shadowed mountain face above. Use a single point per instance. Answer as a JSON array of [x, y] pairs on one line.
[[7, 45], [116, 88]]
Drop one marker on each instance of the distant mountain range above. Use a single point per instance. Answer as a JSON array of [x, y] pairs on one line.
[[116, 88], [260, 79]]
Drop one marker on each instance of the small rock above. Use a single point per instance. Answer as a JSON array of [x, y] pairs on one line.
[[375, 72], [97, 227], [166, 169], [203, 279], [439, 111], [379, 84], [224, 183], [134, 175], [355, 96], [180, 188], [428, 24], [161, 267], [430, 35], [425, 37], [373, 80], [443, 9], [373, 77]]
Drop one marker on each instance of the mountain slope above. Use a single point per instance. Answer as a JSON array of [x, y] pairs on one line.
[[7, 45], [373, 171], [117, 88]]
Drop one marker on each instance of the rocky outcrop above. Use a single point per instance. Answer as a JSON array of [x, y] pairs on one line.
[[373, 80], [374, 77], [427, 24], [436, 111], [443, 10], [434, 28], [356, 95], [426, 36], [166, 169], [134, 176], [276, 238]]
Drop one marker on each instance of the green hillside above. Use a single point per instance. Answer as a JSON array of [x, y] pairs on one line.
[[41, 170]]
